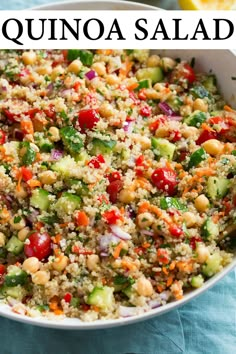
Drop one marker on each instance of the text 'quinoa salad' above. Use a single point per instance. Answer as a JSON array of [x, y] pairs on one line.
[[117, 181]]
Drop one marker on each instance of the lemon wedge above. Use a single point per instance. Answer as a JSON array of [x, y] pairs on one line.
[[207, 4]]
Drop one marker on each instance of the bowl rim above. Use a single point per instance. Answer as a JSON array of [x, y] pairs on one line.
[[59, 3], [76, 324]]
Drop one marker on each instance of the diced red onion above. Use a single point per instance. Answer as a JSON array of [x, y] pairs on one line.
[[176, 118], [18, 135], [117, 231], [126, 311], [128, 127], [50, 88], [106, 240], [91, 74], [166, 109], [56, 155], [12, 302], [104, 254], [165, 295], [154, 303], [66, 92], [147, 233]]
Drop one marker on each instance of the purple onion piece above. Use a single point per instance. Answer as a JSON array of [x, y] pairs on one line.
[[90, 75], [106, 240], [131, 212], [50, 88], [117, 231], [56, 155], [32, 217], [147, 233], [126, 311], [128, 127], [166, 109], [104, 254], [165, 295], [18, 135]]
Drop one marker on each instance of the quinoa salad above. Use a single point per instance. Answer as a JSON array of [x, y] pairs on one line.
[[117, 181]]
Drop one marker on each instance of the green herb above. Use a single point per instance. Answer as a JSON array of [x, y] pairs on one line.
[[122, 280], [170, 202], [199, 92], [164, 245], [143, 84], [46, 78], [30, 155], [129, 51], [197, 157], [75, 301], [234, 152], [64, 116], [42, 308], [100, 92], [17, 219], [71, 139], [50, 219], [85, 56]]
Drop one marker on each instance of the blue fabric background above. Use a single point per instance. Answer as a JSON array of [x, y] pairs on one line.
[[207, 325]]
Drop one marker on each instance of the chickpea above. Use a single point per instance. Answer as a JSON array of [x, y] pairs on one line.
[[126, 196], [145, 220], [29, 58], [23, 233], [60, 263], [185, 110], [75, 66], [168, 64], [44, 70], [153, 60], [152, 94], [106, 110], [17, 224], [48, 177], [41, 277], [144, 141], [144, 287], [54, 134], [20, 193], [57, 71], [201, 203], [112, 79], [99, 68], [202, 253], [200, 105], [213, 147], [162, 132], [92, 261], [31, 265], [189, 219], [189, 132], [2, 239]]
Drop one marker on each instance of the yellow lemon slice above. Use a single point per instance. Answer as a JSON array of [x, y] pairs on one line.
[[207, 4]]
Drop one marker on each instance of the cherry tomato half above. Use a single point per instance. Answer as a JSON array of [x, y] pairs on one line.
[[165, 179], [39, 245], [2, 137], [87, 119], [113, 190], [96, 161]]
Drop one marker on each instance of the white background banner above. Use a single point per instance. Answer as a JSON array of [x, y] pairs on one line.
[[117, 29]]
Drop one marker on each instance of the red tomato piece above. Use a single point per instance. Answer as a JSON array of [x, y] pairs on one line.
[[87, 119], [188, 73], [165, 179], [176, 231], [112, 216], [96, 161], [162, 256], [11, 116], [26, 174], [114, 176], [2, 269], [193, 242], [2, 137], [175, 136], [50, 111], [113, 190], [155, 125], [39, 245], [68, 297], [145, 111], [142, 95], [206, 135]]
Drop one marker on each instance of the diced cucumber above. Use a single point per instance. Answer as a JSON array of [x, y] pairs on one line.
[[71, 139], [40, 199], [210, 230], [79, 186], [102, 146], [154, 74], [217, 187], [144, 84], [64, 166], [14, 245], [101, 297], [210, 83], [197, 157], [68, 203], [199, 91], [170, 202], [15, 276], [197, 281], [29, 155], [213, 265], [163, 148], [196, 119], [3, 252], [128, 291], [17, 292]]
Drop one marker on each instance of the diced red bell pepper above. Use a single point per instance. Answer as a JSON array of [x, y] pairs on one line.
[[26, 174], [145, 111], [67, 297], [176, 231], [206, 135], [114, 176], [96, 161], [2, 137], [112, 216]]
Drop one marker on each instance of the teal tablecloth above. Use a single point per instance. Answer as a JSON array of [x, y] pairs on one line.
[[207, 325]]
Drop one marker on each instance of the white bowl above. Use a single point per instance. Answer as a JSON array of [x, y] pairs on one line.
[[222, 63]]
